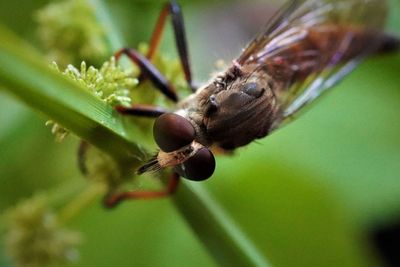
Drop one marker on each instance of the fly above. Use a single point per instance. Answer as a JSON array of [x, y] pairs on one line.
[[305, 49]]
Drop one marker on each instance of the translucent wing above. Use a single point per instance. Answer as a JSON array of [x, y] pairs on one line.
[[310, 45]]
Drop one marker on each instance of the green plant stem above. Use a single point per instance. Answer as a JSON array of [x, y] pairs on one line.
[[25, 75], [220, 235], [82, 200], [113, 36]]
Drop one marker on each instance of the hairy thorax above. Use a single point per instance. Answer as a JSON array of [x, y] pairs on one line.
[[235, 108]]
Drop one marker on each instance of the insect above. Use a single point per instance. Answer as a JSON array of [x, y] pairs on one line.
[[304, 50]]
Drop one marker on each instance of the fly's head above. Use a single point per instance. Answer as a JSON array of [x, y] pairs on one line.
[[233, 110], [175, 136], [241, 110]]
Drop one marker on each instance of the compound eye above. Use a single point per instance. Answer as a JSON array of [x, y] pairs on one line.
[[199, 167], [252, 89], [172, 132]]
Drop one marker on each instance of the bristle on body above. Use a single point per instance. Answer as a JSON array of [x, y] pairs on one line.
[[169, 159], [151, 165]]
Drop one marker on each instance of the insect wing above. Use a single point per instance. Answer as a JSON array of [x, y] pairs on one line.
[[310, 45]]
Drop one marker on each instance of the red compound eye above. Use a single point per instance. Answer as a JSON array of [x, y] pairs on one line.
[[172, 132], [199, 167]]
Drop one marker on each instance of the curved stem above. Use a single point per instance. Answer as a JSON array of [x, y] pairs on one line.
[[81, 201], [213, 226]]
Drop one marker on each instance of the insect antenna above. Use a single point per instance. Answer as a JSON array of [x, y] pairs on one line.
[[152, 165]]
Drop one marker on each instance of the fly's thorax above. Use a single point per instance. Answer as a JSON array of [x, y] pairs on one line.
[[233, 110], [193, 109]]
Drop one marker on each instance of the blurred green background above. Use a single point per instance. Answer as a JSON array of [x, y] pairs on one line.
[[311, 194]]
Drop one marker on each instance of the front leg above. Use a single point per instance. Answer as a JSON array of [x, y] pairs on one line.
[[141, 110], [150, 71], [113, 199]]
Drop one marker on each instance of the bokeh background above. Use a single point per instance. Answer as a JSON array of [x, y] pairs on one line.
[[319, 192]]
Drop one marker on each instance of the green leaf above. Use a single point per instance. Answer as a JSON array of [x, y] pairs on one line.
[[24, 74]]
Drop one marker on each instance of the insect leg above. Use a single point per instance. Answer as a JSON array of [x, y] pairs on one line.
[[149, 111], [148, 69], [172, 8], [389, 44], [112, 200], [82, 150]]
